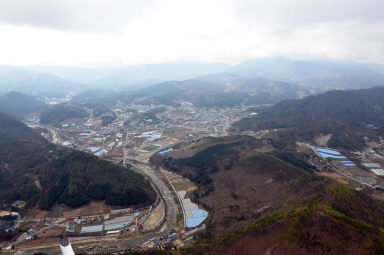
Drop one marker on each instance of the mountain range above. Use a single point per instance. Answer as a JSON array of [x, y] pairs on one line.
[[54, 80], [215, 90], [319, 74]]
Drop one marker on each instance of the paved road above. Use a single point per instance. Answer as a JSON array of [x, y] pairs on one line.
[[166, 195], [22, 240], [169, 203]]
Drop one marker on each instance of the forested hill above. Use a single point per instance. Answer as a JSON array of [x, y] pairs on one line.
[[347, 115], [16, 131], [62, 112], [19, 105], [38, 172], [263, 200]]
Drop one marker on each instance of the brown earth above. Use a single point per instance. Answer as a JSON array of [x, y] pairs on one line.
[[38, 242], [245, 181], [316, 233], [52, 232], [242, 191], [334, 176], [322, 140], [241, 187], [93, 208]]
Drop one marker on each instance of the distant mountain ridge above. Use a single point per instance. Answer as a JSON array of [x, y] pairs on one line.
[[54, 80], [31, 82], [130, 74], [325, 74], [206, 91]]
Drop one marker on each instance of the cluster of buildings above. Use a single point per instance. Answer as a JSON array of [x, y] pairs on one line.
[[135, 133], [320, 164], [121, 220]]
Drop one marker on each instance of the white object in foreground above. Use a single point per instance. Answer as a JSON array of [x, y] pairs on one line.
[[65, 246]]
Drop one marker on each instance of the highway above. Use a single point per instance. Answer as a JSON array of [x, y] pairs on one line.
[[166, 194]]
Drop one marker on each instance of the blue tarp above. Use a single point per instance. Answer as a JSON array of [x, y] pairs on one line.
[[349, 165], [346, 162], [136, 214], [199, 213], [172, 236], [165, 151], [331, 156], [198, 216], [328, 151]]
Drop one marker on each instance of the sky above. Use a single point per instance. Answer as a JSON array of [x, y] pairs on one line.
[[114, 32]]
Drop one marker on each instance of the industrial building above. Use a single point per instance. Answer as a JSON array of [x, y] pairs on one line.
[[118, 223], [91, 229], [371, 165], [378, 171]]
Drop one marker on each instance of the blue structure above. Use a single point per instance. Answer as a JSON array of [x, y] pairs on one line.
[[136, 214], [172, 236], [336, 155], [328, 151], [331, 156], [198, 216], [165, 151]]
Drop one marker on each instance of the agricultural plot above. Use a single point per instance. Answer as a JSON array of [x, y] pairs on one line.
[[151, 148]]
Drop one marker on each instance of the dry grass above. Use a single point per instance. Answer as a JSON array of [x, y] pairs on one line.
[[334, 176], [38, 242], [52, 232], [322, 140], [155, 215], [93, 208]]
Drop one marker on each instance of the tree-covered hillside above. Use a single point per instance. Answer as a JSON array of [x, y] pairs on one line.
[[18, 105], [347, 115], [262, 200], [38, 172], [61, 112]]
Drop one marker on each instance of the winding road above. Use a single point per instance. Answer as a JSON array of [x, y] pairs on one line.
[[166, 195]]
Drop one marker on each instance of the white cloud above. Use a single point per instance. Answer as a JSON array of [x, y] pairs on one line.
[[75, 32]]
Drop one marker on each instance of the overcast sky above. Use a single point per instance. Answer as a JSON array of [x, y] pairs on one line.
[[94, 32]]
